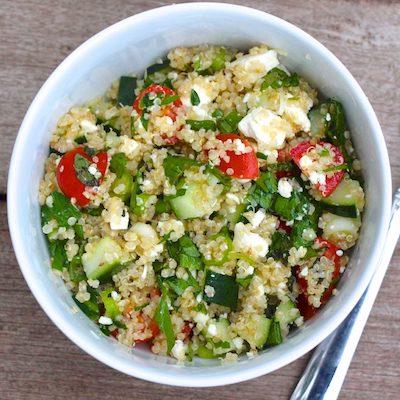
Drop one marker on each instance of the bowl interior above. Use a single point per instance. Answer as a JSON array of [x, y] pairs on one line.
[[128, 47]]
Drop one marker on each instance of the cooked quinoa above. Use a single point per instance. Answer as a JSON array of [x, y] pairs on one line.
[[205, 207]]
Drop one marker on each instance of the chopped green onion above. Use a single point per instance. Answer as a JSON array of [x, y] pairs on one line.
[[337, 168], [275, 334], [277, 78]]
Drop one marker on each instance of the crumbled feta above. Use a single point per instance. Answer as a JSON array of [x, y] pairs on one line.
[[129, 146], [256, 218], [238, 342], [105, 320], [201, 320], [209, 291], [212, 330], [298, 117], [317, 178], [255, 66], [120, 219], [88, 126], [178, 351], [339, 253], [285, 188], [304, 271], [267, 128], [249, 242]]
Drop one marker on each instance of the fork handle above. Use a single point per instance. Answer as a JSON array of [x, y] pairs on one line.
[[327, 368]]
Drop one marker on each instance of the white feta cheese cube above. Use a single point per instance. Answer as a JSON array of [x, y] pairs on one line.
[[249, 242], [267, 128], [285, 188]]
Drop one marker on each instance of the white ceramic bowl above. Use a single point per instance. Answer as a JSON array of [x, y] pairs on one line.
[[130, 46]]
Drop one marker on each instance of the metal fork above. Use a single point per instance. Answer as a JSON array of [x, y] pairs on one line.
[[324, 375]]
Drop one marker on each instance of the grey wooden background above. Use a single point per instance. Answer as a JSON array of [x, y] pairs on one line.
[[36, 360]]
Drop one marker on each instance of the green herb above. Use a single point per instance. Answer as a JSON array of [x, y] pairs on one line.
[[201, 308], [126, 90], [162, 206], [225, 180], [79, 235], [145, 122], [169, 99], [110, 305], [217, 114], [118, 164], [81, 165], [294, 207], [75, 269], [336, 168], [263, 191], [280, 245], [185, 253], [229, 123], [244, 282], [58, 256], [91, 307], [174, 166], [61, 210], [164, 322], [324, 153], [207, 124], [81, 139], [275, 334], [178, 285], [95, 212], [277, 78], [261, 156], [54, 151], [222, 345], [194, 98]]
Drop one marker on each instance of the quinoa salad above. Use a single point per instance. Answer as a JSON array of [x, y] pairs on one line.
[[205, 207]]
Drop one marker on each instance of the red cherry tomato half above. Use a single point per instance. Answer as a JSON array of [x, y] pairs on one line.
[[306, 309], [67, 179], [244, 166], [158, 89], [333, 178]]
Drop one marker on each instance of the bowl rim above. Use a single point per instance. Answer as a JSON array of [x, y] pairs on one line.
[[113, 360]]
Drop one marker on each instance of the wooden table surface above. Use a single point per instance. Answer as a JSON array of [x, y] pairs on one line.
[[36, 360]]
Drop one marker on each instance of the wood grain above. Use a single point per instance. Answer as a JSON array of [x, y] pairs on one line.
[[36, 360]]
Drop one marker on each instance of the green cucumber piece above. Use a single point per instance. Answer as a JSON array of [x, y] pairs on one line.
[[348, 193], [236, 216], [126, 91], [197, 202], [204, 352], [341, 231], [260, 324], [318, 123], [343, 211], [158, 66], [225, 287], [102, 257], [286, 313]]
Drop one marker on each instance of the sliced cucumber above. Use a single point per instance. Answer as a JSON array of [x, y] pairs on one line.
[[343, 211], [318, 123], [204, 352], [348, 193], [224, 287], [341, 231], [286, 313], [221, 339], [101, 257], [256, 331], [198, 201]]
